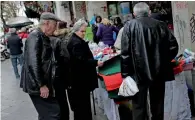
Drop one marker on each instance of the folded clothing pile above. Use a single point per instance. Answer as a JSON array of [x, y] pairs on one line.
[[110, 76]]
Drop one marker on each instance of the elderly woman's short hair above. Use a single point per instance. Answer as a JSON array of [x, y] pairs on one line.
[[78, 25], [141, 9]]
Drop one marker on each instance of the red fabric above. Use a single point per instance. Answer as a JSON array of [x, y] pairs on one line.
[[112, 82], [23, 35], [179, 68]]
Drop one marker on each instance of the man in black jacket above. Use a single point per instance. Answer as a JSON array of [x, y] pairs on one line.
[[147, 48], [39, 69], [15, 45]]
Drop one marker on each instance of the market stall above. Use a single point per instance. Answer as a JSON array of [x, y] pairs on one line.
[[177, 103]]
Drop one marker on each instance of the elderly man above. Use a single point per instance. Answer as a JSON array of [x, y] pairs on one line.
[[147, 50], [14, 43], [39, 69]]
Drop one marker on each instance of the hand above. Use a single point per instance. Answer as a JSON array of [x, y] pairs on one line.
[[100, 63], [44, 91]]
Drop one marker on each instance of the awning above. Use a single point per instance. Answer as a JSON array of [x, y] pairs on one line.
[[19, 22]]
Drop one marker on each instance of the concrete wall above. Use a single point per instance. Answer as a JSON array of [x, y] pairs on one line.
[[96, 7], [62, 13], [80, 9], [184, 23], [191, 15], [181, 24]]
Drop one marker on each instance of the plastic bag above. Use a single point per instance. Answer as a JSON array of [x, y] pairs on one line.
[[128, 87]]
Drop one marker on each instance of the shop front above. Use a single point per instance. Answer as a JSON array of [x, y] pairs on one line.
[[35, 8]]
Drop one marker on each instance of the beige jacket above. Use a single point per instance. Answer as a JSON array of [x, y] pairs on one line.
[[117, 43]]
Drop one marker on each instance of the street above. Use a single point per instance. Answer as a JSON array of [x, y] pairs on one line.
[[15, 104]]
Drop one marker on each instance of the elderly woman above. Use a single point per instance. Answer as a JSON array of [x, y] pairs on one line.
[[83, 72], [105, 32]]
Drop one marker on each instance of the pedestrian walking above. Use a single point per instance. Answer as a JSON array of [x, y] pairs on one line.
[[23, 35], [39, 69], [14, 44], [83, 72], [147, 48]]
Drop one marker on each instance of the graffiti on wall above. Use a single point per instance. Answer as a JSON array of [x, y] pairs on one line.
[[181, 4], [180, 28], [81, 7], [192, 30]]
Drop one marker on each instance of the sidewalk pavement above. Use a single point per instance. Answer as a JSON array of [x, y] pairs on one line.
[[15, 104]]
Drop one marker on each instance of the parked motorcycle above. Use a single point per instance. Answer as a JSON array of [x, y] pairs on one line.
[[4, 53]]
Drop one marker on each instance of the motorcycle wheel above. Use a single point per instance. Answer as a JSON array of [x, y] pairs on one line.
[[7, 55], [2, 58]]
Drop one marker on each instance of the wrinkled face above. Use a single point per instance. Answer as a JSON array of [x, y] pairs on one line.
[[50, 27], [82, 31]]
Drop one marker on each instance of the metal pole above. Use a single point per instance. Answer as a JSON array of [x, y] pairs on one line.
[[93, 103]]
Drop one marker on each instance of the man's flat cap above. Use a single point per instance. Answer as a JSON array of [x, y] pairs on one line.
[[49, 16]]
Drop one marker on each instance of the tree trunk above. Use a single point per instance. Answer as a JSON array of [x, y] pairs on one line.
[[3, 20]]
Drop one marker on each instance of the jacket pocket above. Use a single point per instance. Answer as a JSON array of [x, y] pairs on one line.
[[33, 85]]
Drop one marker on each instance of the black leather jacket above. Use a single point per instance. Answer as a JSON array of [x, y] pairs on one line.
[[36, 71], [147, 48], [83, 65]]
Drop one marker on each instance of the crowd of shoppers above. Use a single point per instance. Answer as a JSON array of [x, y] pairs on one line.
[[58, 59]]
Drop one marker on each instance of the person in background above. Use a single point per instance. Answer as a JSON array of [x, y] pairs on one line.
[[14, 44], [95, 26], [147, 49], [118, 23], [39, 69], [83, 72], [62, 78], [105, 32], [62, 31], [117, 43], [23, 35]]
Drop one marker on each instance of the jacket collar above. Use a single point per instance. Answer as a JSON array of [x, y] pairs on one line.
[[82, 40], [142, 16]]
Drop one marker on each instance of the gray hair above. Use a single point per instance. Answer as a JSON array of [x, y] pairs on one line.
[[78, 25], [12, 30], [141, 9]]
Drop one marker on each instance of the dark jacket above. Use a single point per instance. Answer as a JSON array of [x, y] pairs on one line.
[[83, 65], [15, 45], [36, 71], [147, 50], [105, 34], [62, 65], [94, 30]]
